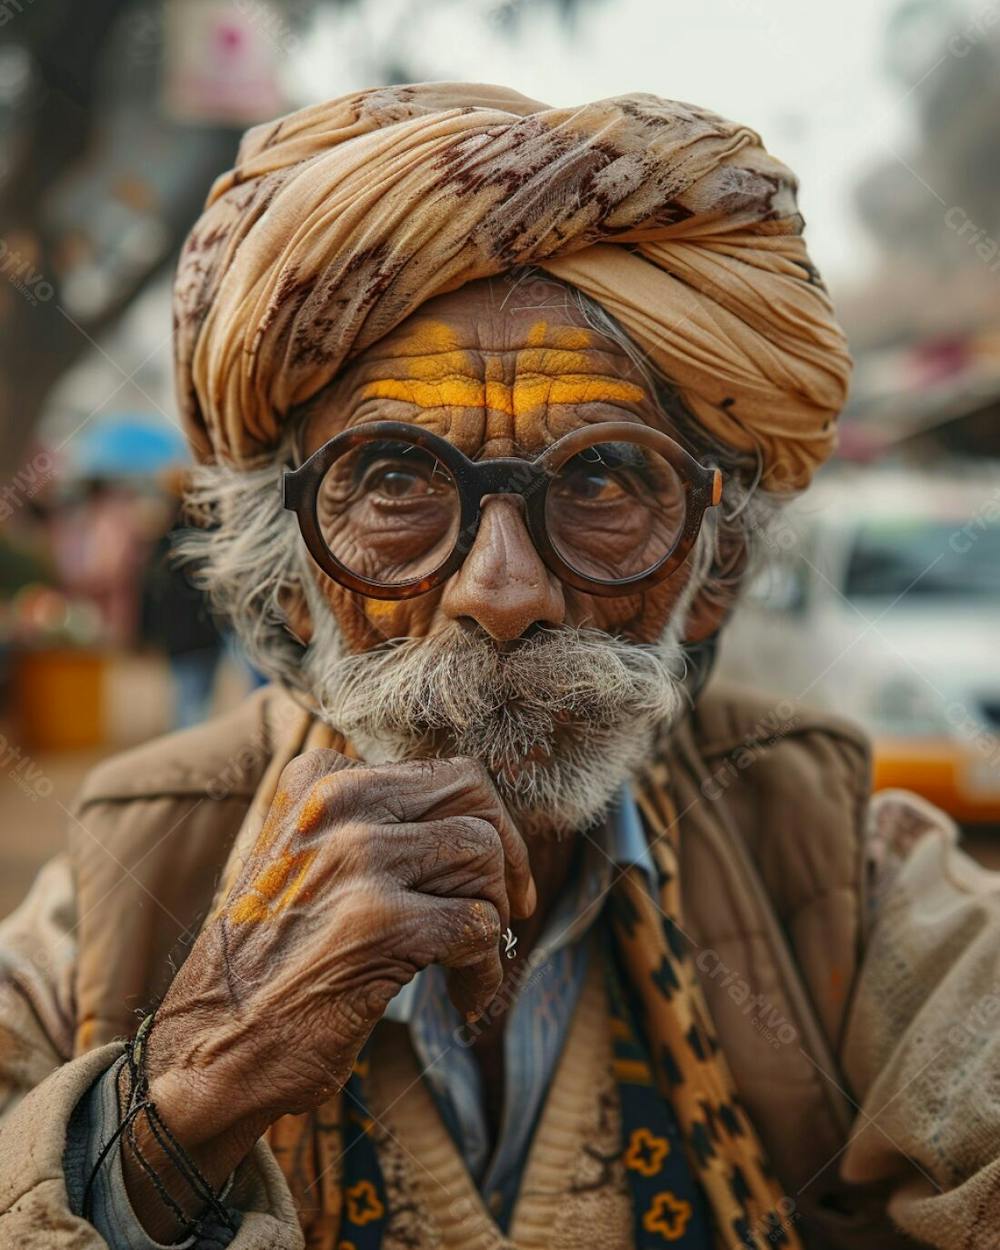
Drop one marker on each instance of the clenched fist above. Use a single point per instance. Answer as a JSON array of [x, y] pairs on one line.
[[361, 876]]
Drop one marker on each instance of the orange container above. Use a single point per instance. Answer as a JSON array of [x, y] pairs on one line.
[[58, 698]]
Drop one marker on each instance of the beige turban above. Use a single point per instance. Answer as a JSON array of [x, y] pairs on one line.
[[338, 221]]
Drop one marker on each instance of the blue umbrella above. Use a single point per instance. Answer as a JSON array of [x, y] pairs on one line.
[[127, 446]]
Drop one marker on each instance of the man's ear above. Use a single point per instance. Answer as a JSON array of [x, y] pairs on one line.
[[706, 615], [298, 619], [715, 599]]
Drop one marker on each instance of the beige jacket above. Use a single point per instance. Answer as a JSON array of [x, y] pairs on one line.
[[866, 1056]]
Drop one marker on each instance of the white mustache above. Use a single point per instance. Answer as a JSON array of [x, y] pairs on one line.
[[559, 720]]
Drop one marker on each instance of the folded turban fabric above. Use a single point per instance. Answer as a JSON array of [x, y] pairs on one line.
[[341, 219]]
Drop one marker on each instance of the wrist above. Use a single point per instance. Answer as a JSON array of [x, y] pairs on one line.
[[223, 1085], [174, 1183], [209, 1123], [198, 1081]]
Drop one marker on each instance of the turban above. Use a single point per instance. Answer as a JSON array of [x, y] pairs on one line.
[[341, 219]]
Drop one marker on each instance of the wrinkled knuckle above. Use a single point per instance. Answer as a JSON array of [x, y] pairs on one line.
[[476, 837], [468, 767], [355, 1012], [370, 793], [325, 758], [296, 773], [430, 942], [482, 924], [346, 793], [303, 769]]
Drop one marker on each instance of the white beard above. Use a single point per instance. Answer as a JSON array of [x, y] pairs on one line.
[[560, 721]]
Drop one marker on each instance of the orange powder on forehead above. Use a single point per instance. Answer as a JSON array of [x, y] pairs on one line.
[[552, 369]]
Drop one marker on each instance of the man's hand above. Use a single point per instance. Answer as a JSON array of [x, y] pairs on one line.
[[360, 877]]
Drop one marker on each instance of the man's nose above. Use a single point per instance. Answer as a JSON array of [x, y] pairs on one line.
[[503, 585]]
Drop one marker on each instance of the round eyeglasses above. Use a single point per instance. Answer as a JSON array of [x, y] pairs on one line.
[[390, 510]]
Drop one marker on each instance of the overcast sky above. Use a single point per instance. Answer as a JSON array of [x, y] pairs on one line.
[[809, 76]]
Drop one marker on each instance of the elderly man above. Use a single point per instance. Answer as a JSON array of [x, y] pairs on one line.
[[482, 926]]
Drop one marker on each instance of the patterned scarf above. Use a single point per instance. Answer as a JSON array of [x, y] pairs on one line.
[[663, 1038]]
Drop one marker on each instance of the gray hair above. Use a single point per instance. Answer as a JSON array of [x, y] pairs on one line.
[[248, 557]]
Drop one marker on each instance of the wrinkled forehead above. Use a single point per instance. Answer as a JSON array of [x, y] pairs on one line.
[[493, 371]]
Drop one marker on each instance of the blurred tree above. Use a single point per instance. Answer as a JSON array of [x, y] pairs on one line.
[[935, 210], [47, 124], [98, 186], [84, 86]]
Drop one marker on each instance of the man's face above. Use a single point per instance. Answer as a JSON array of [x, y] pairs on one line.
[[496, 379], [554, 688]]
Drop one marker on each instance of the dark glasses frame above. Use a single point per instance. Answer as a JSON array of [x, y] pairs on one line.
[[476, 479]]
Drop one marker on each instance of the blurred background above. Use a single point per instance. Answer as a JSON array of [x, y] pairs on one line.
[[881, 599]]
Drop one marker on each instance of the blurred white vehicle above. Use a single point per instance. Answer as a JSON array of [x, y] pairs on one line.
[[881, 602]]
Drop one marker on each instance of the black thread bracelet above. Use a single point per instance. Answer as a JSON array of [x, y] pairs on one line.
[[187, 1222], [138, 1103]]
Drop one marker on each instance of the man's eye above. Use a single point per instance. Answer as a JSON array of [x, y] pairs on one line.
[[394, 481], [593, 487]]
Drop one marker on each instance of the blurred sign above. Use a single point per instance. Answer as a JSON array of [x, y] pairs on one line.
[[224, 59]]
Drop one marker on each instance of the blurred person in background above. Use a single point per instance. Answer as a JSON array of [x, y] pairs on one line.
[[178, 619], [98, 549], [484, 923]]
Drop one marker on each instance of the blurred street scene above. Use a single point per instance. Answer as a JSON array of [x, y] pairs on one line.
[[880, 596]]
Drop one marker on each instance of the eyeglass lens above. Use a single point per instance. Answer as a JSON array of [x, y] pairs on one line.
[[615, 510]]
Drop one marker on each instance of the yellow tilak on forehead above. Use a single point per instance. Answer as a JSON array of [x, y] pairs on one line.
[[552, 369]]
